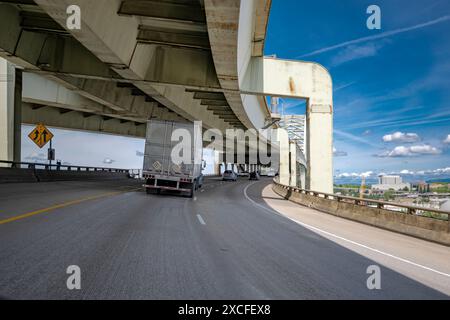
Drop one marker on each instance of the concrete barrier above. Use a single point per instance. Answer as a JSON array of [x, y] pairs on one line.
[[63, 175], [8, 175], [417, 226], [15, 175]]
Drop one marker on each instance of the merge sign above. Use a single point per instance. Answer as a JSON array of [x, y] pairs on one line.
[[40, 135]]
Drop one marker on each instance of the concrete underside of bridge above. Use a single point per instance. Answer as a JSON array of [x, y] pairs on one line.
[[161, 51], [173, 60]]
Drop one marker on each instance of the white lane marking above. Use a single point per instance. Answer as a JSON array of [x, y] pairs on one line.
[[199, 217], [342, 238]]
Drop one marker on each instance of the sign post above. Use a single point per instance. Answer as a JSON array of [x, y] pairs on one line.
[[41, 136], [50, 154]]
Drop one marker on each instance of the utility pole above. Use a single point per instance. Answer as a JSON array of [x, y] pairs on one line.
[[362, 189]]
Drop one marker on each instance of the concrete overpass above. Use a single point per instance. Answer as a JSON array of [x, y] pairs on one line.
[[131, 61]]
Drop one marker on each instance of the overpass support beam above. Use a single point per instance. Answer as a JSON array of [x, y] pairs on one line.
[[10, 111], [284, 156], [293, 163], [302, 80]]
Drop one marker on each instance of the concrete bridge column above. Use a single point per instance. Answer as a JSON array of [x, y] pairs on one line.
[[217, 169], [284, 170], [319, 126], [302, 80], [10, 111], [293, 163]]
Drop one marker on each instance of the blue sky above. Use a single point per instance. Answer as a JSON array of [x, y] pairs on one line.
[[396, 79], [391, 87]]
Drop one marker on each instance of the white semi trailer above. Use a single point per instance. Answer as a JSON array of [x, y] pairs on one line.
[[161, 171]]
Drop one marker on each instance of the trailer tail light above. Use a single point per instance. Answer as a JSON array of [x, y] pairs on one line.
[[185, 180]]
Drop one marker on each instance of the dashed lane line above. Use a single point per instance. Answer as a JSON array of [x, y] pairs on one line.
[[199, 217]]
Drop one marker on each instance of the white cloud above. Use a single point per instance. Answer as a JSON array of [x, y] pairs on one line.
[[401, 137], [355, 52], [366, 174], [411, 151], [342, 87], [36, 157], [352, 137], [108, 161], [338, 153], [447, 140], [425, 172], [355, 175], [405, 172], [442, 170], [377, 36]]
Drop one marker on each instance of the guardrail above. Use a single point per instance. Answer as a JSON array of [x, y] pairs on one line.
[[425, 223], [364, 202], [71, 167], [68, 167]]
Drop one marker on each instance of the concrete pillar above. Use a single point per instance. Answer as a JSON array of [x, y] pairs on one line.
[[303, 80], [283, 148], [217, 169], [293, 163], [319, 146], [10, 111], [302, 183], [18, 115]]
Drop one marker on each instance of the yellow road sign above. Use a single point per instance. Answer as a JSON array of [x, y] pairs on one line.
[[40, 135]]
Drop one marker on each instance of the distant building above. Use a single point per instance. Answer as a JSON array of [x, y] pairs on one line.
[[386, 183], [421, 187]]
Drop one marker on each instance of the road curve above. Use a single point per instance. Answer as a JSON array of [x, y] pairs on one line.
[[227, 243]]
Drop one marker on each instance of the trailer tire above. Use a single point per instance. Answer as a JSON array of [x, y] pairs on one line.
[[192, 193]]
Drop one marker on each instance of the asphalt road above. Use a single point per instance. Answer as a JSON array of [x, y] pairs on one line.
[[227, 243]]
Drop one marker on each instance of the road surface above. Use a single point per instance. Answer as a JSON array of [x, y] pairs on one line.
[[234, 240]]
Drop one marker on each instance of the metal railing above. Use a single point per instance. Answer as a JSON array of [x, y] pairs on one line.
[[372, 203], [65, 167]]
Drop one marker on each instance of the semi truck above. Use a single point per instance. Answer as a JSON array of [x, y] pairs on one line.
[[161, 171]]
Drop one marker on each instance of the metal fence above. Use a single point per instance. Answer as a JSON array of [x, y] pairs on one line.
[[135, 173], [64, 167]]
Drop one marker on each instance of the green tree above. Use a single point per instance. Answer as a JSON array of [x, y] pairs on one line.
[[388, 195]]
